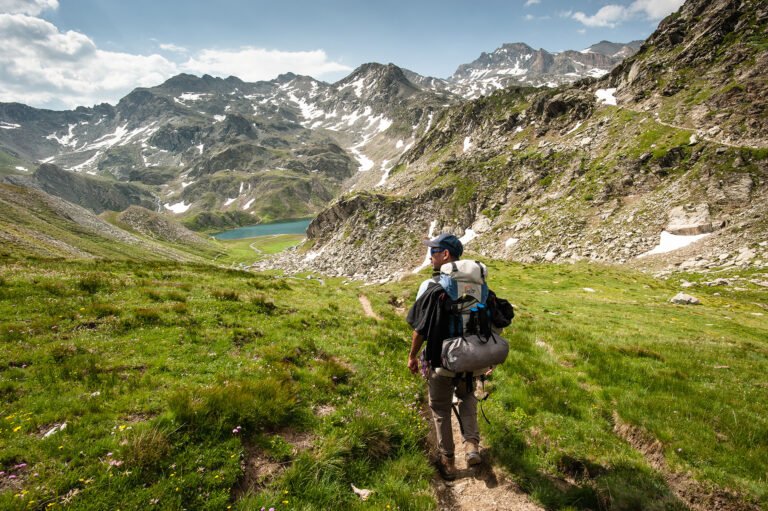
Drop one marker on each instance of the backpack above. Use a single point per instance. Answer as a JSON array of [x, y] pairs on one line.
[[472, 346]]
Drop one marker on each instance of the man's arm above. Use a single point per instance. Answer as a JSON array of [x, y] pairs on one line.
[[413, 362]]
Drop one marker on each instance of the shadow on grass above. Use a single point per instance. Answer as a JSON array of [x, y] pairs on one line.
[[581, 483]]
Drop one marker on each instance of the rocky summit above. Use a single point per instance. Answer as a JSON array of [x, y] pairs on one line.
[[661, 164]]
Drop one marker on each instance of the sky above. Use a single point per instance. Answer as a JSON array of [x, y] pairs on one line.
[[60, 54]]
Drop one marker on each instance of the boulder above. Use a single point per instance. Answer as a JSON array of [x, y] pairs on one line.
[[684, 299], [689, 220]]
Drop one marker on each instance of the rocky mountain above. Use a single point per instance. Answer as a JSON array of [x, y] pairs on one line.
[[519, 64], [219, 152], [618, 169]]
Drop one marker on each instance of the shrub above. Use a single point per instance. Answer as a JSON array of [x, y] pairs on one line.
[[226, 295], [146, 316], [102, 310], [93, 283], [145, 447], [263, 305]]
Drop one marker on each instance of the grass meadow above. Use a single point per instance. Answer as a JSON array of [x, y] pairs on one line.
[[154, 385]]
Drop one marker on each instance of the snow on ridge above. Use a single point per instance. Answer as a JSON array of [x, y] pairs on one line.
[[87, 163], [179, 207], [429, 123], [606, 96], [596, 72], [191, 96]]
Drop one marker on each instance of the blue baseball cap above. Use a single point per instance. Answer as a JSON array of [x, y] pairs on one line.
[[447, 242]]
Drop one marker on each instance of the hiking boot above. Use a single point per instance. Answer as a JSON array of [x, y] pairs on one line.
[[473, 453], [447, 467]]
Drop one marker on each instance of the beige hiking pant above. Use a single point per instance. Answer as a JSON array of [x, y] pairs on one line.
[[441, 391]]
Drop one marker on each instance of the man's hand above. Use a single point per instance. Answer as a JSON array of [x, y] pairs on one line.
[[413, 361], [413, 365]]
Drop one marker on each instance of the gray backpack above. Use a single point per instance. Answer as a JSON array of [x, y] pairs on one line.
[[474, 347]]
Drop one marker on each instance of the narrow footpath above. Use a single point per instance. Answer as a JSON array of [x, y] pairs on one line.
[[483, 487]]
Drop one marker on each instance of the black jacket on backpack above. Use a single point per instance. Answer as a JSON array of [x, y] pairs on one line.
[[430, 316]]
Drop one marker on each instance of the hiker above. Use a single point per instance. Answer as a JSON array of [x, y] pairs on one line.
[[430, 322]]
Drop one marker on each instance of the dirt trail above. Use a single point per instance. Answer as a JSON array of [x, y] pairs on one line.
[[367, 308], [483, 487]]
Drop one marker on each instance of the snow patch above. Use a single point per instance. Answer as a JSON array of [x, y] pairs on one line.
[[179, 207], [469, 235], [66, 140], [386, 168], [200, 148], [467, 144], [606, 96], [23, 169], [670, 242], [229, 201], [185, 184], [511, 242], [219, 118], [9, 125], [430, 235], [399, 144], [248, 204], [366, 163]]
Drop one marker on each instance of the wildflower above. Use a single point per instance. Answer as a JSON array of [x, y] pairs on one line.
[[20, 466], [285, 502], [237, 430], [17, 428]]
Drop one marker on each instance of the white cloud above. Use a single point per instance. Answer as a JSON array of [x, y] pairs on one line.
[[612, 15], [529, 17], [656, 9], [173, 48], [253, 64], [529, 3], [44, 67], [31, 7]]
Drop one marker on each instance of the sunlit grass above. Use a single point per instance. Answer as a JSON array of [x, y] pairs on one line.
[[167, 375]]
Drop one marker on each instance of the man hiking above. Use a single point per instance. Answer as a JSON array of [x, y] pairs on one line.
[[430, 323]]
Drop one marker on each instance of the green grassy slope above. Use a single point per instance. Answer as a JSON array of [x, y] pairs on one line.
[[153, 366], [34, 224]]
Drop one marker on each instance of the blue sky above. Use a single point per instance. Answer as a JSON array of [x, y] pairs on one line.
[[80, 52]]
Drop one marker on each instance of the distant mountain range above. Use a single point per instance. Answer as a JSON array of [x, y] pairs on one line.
[[220, 152]]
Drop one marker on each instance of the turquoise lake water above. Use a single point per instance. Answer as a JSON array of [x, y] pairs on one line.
[[252, 231]]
